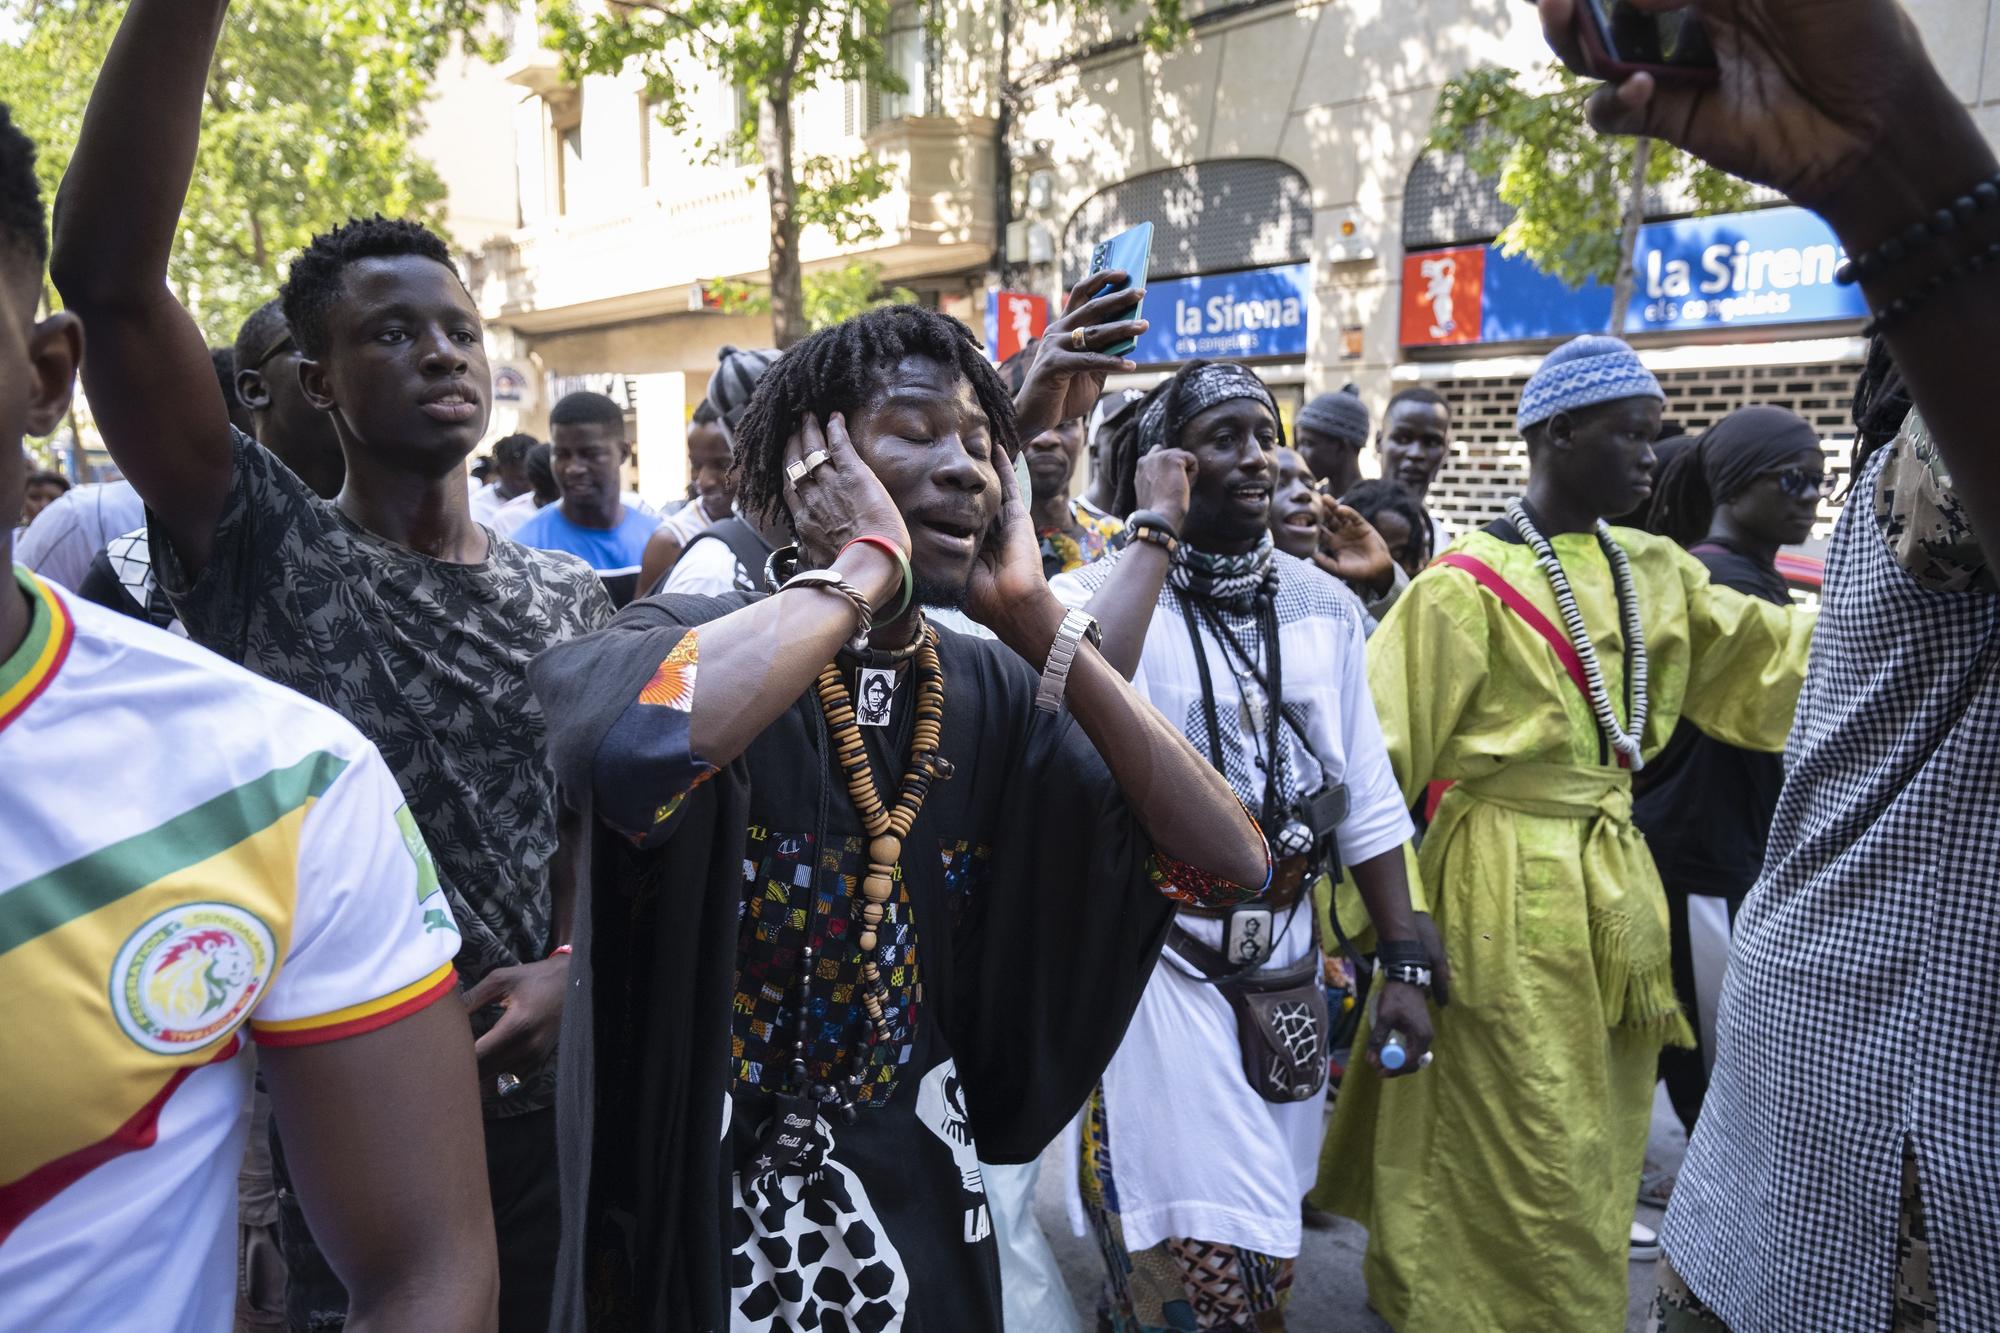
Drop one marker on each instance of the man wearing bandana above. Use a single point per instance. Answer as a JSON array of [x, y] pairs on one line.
[[1257, 657]]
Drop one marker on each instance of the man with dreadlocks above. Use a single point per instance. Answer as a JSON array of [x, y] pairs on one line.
[[827, 967], [387, 603], [1534, 666], [1256, 656]]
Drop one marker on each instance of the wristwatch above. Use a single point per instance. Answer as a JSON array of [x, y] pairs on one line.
[[1075, 627]]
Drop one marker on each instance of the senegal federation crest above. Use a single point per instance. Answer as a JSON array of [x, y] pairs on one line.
[[190, 975]]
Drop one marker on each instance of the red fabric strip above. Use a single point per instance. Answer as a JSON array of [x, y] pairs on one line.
[[36, 1188], [1513, 599], [367, 1023]]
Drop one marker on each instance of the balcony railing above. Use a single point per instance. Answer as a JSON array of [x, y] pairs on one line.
[[708, 223]]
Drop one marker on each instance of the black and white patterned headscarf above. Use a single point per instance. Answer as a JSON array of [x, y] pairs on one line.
[[1202, 388]]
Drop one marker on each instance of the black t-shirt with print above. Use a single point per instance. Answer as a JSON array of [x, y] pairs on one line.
[[429, 659]]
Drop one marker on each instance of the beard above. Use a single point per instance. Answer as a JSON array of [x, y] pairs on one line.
[[931, 591]]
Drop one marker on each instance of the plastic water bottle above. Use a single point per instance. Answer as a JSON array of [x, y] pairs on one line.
[[1394, 1053]]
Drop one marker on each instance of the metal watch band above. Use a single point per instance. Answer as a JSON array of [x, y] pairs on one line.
[[1055, 676]]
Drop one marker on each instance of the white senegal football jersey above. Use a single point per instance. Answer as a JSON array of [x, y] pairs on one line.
[[191, 858]]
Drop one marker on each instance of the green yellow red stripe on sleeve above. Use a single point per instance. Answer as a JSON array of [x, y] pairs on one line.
[[28, 672], [356, 1019]]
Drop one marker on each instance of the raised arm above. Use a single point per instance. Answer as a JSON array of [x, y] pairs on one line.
[[382, 1136], [1836, 103], [151, 385], [1185, 806], [1124, 605]]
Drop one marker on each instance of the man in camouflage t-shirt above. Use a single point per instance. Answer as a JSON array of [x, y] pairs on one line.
[[387, 603]]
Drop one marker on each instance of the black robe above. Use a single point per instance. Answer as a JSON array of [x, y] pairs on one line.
[[1026, 925]]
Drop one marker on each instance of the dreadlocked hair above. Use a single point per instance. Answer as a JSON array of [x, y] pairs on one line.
[[314, 283], [1881, 401], [1381, 495], [837, 370], [23, 229]]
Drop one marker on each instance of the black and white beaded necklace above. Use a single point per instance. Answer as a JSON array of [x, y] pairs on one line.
[[1625, 742]]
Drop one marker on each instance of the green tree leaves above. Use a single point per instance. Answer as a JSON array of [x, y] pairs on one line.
[[312, 105], [1569, 185]]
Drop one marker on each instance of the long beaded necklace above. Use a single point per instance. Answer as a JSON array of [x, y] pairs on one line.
[[887, 827], [1625, 742]]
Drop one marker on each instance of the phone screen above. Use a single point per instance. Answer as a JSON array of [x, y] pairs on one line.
[[1675, 40]]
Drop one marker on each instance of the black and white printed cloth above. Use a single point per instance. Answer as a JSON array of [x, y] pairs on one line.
[[1862, 1009]]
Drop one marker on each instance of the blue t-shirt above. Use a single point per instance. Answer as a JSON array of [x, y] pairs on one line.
[[615, 552]]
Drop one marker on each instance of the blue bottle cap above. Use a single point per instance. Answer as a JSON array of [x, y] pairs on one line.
[[1394, 1056]]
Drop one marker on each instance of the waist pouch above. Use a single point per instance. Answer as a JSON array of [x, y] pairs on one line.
[[1281, 1017]]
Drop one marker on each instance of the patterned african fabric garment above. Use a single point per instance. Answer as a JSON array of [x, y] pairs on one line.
[[1873, 929], [1178, 1284], [429, 659], [203, 859], [1176, 1087], [1063, 551], [889, 1225], [1518, 1152]]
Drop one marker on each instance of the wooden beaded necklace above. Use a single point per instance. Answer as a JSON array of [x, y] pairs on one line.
[[887, 826]]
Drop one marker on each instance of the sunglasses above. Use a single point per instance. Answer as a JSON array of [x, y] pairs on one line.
[[1804, 484]]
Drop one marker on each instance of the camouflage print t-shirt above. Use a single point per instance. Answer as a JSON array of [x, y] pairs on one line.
[[429, 660]]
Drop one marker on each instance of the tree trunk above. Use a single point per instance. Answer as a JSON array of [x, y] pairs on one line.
[[1628, 236], [774, 142]]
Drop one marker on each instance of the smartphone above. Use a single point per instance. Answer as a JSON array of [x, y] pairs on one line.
[[1620, 39], [1131, 251]]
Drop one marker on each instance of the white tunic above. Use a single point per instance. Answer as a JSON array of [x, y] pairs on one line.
[[1196, 1152]]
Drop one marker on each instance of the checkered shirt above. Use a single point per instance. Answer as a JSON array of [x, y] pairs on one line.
[[1862, 1009]]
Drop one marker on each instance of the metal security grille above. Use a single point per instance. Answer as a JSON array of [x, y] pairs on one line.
[[1446, 203], [1489, 463], [1207, 218]]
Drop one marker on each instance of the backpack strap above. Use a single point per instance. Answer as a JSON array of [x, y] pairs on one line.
[[742, 540]]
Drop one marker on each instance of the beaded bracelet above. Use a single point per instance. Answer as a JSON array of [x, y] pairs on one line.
[[1893, 313], [826, 578], [1981, 198], [895, 553]]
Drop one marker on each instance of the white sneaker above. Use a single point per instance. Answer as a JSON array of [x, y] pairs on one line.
[[1645, 1243]]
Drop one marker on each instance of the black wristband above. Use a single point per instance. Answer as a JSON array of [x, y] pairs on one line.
[[1389, 953], [1148, 518]]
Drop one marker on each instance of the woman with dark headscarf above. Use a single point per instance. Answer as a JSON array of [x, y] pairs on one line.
[[1747, 487]]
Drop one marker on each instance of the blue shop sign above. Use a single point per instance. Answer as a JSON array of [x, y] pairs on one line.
[[1739, 270], [1259, 312]]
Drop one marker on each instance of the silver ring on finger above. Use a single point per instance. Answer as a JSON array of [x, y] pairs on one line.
[[799, 469], [1076, 339]]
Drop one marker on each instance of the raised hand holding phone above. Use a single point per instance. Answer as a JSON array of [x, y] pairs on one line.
[[1071, 361]]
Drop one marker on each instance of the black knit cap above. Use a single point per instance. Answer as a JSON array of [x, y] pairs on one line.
[[735, 379], [1338, 416]]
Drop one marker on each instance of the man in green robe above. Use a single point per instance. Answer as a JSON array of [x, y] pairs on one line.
[[1498, 1190]]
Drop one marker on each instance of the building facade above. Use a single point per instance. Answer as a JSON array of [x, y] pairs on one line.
[[1279, 153]]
